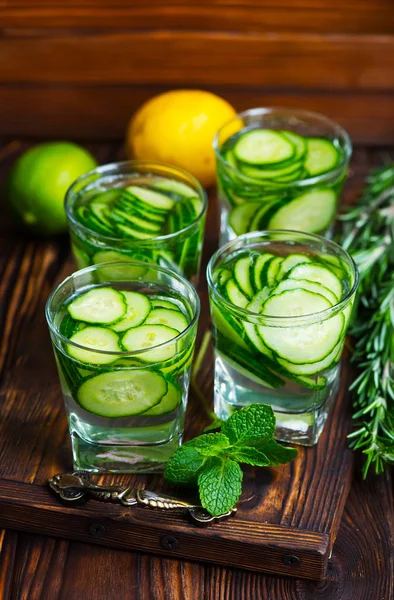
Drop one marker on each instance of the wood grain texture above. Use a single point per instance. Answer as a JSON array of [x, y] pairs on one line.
[[36, 567], [281, 60], [102, 112], [301, 17], [82, 68]]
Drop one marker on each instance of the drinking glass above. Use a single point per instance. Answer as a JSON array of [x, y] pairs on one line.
[[289, 360], [140, 437], [108, 223], [253, 199]]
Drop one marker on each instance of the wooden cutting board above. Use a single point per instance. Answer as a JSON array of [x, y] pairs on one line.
[[288, 517]]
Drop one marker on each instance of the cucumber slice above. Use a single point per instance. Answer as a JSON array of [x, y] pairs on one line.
[[234, 294], [168, 403], [273, 269], [299, 143], [68, 326], [318, 274], [312, 212], [242, 272], [222, 275], [289, 170], [151, 198], [258, 269], [309, 286], [263, 146], [131, 232], [255, 306], [181, 364], [241, 217], [96, 338], [173, 186], [294, 303], [306, 343], [291, 261], [101, 212], [129, 204], [163, 303], [122, 393], [168, 317], [260, 218], [321, 156], [137, 222], [251, 369], [100, 305], [228, 328], [112, 272], [149, 336], [138, 308], [315, 367]]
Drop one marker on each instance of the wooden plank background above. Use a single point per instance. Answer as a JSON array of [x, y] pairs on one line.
[[82, 67]]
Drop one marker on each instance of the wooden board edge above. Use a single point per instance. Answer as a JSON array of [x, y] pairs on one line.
[[254, 546]]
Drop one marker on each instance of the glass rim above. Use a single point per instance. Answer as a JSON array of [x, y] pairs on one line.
[[276, 320], [123, 353], [105, 169], [295, 112]]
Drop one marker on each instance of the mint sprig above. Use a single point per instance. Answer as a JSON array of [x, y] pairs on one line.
[[211, 461]]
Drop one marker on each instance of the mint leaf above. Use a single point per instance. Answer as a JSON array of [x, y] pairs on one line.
[[210, 444], [189, 458], [249, 456], [276, 453], [250, 425], [184, 464], [219, 485]]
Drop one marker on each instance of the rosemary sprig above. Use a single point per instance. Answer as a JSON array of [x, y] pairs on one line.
[[368, 234]]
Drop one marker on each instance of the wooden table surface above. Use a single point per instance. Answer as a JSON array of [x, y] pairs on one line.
[[35, 567]]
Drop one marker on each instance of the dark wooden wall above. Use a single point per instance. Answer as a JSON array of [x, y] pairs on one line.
[[81, 67]]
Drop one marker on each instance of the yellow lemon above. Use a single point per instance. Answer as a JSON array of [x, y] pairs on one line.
[[178, 128]]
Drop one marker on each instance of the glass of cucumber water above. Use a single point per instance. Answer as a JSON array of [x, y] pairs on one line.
[[123, 335], [280, 304], [137, 210], [280, 169]]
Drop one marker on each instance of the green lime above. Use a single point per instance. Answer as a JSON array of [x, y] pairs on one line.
[[39, 181]]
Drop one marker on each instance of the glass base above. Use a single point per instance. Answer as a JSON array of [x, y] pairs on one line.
[[300, 426], [108, 458]]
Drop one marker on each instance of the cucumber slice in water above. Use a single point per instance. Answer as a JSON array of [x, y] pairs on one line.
[[168, 317], [263, 146], [312, 212], [242, 215], [122, 393], [242, 272], [309, 286], [304, 343], [318, 274], [154, 199], [100, 305], [101, 339], [138, 308], [258, 269], [234, 294], [176, 187], [291, 261], [170, 401], [148, 336], [315, 367], [321, 156], [251, 369], [299, 143], [163, 303]]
